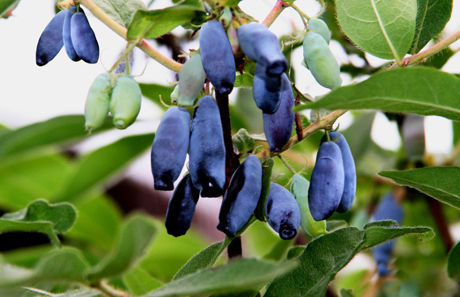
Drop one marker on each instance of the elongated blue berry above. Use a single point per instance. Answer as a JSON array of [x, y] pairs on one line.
[[50, 42], [217, 56], [266, 90], [207, 149], [282, 211], [181, 207], [241, 197], [83, 38], [278, 125], [262, 46], [169, 148], [68, 45], [327, 181], [387, 209], [349, 188], [413, 133]]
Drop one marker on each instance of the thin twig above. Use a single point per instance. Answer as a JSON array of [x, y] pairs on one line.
[[274, 13], [122, 31]]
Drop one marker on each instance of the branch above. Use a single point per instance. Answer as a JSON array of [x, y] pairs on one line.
[[274, 13], [122, 31], [419, 57]]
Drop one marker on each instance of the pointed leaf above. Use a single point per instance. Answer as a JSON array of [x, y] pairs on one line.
[[54, 131], [101, 164], [154, 23], [40, 216], [140, 282], [432, 16], [204, 259], [440, 183], [382, 28], [453, 264], [419, 90], [321, 260], [378, 235], [134, 239], [122, 11], [237, 276]]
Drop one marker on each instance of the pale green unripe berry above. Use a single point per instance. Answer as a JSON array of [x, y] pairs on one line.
[[97, 102], [125, 103]]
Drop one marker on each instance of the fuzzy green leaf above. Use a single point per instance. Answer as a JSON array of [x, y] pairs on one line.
[[135, 237], [440, 183], [432, 16], [122, 11], [382, 28], [154, 23], [140, 282], [99, 165], [419, 90], [237, 276]]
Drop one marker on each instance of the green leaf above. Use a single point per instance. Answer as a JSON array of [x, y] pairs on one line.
[[432, 16], [28, 177], [157, 93], [66, 264], [204, 259], [419, 90], [453, 264], [382, 28], [121, 11], [98, 222], [40, 216], [101, 164], [154, 23], [140, 282], [237, 276], [54, 131], [85, 292], [377, 235], [346, 293], [135, 236], [319, 263], [5, 5], [244, 80], [326, 255], [440, 183]]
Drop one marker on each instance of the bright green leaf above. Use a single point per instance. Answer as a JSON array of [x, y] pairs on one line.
[[66, 264], [453, 263], [419, 90], [154, 23], [432, 16], [86, 292], [204, 259], [50, 132], [99, 165], [157, 93], [382, 28], [244, 80], [40, 216], [121, 11], [319, 263], [135, 237], [237, 276], [5, 5], [140, 282], [98, 222], [28, 177], [377, 235], [440, 183]]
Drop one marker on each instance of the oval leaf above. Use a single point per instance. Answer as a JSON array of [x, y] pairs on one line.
[[440, 183], [382, 28], [419, 90]]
